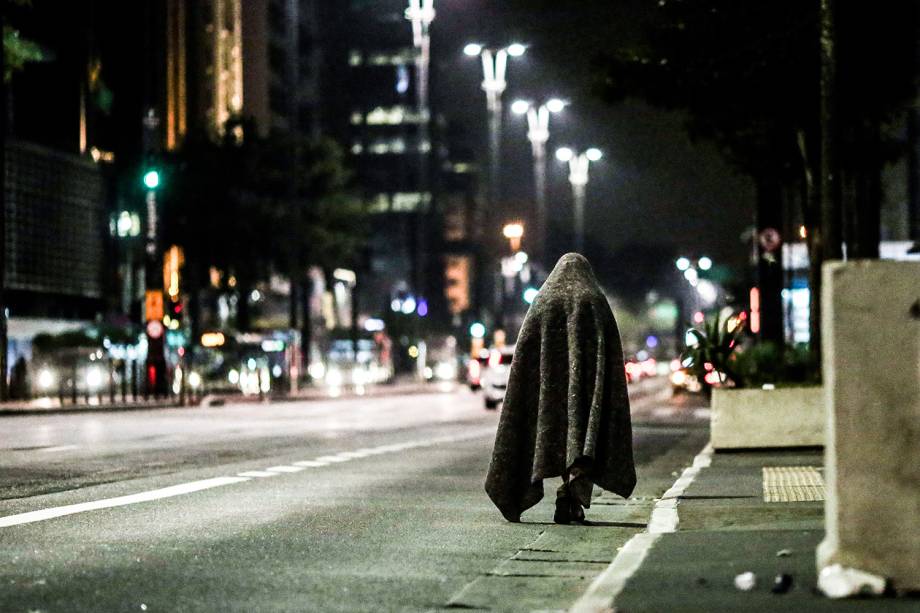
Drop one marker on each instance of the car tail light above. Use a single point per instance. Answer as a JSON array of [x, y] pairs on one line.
[[474, 369], [495, 358]]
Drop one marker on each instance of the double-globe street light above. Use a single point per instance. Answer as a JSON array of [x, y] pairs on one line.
[[494, 69], [538, 135], [421, 13], [578, 177]]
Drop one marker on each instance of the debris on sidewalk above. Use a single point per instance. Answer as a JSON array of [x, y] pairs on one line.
[[782, 584], [783, 553], [746, 581], [837, 581]]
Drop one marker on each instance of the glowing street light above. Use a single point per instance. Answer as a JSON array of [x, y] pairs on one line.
[[516, 49], [494, 83], [682, 264], [704, 263], [578, 178], [514, 232], [472, 49], [538, 135]]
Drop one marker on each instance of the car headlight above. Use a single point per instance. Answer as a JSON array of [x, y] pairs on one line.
[[334, 377], [94, 378], [46, 379], [446, 371]]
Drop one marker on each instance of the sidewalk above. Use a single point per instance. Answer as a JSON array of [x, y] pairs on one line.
[[726, 527]]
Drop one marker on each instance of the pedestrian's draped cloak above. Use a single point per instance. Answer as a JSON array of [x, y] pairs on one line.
[[566, 402]]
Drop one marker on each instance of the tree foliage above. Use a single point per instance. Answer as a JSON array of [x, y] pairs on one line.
[[747, 73], [250, 206]]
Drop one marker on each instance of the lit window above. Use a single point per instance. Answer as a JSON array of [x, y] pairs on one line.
[[357, 118], [357, 148], [379, 148], [354, 58]]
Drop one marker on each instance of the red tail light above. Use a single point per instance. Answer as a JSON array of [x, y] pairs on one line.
[[495, 359]]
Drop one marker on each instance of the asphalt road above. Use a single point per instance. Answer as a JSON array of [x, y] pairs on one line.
[[366, 504]]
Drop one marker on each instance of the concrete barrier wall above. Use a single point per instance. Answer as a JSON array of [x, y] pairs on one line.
[[871, 361]]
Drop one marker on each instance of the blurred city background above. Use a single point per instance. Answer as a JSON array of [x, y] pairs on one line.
[[261, 196]]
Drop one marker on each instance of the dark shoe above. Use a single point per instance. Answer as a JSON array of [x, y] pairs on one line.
[[568, 511]]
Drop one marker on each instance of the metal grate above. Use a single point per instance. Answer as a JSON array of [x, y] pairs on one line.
[[792, 484]]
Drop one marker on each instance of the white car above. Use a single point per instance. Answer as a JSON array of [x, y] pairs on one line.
[[495, 376]]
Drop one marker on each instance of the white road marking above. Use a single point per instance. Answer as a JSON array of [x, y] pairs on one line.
[[354, 454], [59, 448], [607, 586], [120, 501], [331, 459], [195, 486], [285, 469]]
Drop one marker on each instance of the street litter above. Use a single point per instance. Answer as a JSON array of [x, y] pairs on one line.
[[837, 581], [782, 584], [783, 553], [746, 581]]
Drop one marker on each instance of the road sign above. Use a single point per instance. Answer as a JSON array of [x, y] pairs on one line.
[[153, 305], [770, 239]]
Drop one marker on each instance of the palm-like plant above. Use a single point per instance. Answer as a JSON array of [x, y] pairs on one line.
[[715, 342]]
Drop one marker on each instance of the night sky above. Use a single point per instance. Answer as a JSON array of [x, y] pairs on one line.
[[654, 188]]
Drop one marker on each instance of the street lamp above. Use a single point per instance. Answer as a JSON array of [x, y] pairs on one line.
[[421, 13], [578, 177], [494, 69], [514, 232], [538, 135]]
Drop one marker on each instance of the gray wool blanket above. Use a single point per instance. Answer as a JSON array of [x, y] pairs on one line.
[[566, 401]]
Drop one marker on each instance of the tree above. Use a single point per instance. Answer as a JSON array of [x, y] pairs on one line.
[[749, 77], [250, 206]]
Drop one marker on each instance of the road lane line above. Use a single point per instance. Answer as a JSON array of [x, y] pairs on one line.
[[286, 469], [602, 592], [195, 486], [258, 474], [120, 501], [58, 448], [331, 459]]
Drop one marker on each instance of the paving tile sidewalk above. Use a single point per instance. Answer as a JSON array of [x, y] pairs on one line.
[[726, 528]]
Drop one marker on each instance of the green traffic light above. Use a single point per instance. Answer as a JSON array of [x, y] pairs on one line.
[[152, 179]]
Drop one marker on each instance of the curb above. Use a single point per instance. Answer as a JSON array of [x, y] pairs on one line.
[[599, 596]]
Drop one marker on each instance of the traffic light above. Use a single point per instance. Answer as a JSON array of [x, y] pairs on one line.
[[152, 178], [457, 283]]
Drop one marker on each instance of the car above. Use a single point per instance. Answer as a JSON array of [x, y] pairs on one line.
[[474, 369], [495, 376], [683, 380]]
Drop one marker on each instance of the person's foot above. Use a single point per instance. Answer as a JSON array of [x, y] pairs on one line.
[[568, 511]]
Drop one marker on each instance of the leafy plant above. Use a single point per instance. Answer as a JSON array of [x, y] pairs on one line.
[[713, 349], [771, 363]]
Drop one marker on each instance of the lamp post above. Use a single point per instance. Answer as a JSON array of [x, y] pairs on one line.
[[578, 177], [421, 13], [538, 135], [494, 69]]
